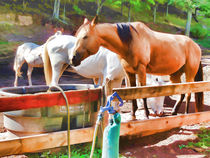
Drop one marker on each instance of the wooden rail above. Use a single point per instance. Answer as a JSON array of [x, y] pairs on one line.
[[152, 126], [44, 141], [165, 90], [48, 99], [133, 128], [141, 128]]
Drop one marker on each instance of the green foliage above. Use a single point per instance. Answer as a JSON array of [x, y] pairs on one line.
[[189, 4], [5, 27], [203, 141], [77, 151], [182, 146], [197, 31], [204, 8], [204, 42], [78, 10]]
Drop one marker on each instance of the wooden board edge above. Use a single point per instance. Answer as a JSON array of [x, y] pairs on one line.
[[44, 141], [152, 126]]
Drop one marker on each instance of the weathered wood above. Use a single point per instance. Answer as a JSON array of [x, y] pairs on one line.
[[57, 139], [44, 141], [48, 99], [152, 126], [164, 90]]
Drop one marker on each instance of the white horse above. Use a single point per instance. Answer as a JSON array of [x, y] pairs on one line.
[[99, 67], [31, 54], [155, 103], [104, 67]]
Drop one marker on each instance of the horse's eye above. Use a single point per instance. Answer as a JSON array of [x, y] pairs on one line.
[[85, 37]]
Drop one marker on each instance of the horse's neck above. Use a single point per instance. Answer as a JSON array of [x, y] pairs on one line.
[[93, 66], [109, 38]]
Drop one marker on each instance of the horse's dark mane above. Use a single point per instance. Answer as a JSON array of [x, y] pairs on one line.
[[124, 32]]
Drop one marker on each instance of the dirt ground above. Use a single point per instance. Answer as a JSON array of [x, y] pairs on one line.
[[162, 145]]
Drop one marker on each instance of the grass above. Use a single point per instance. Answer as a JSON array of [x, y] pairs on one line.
[[77, 151], [204, 42], [7, 48], [202, 144], [172, 20]]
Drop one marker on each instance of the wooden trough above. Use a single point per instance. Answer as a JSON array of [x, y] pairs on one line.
[[140, 128]]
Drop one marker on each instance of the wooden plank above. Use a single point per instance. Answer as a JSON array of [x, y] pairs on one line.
[[48, 99], [44, 141], [165, 90], [57, 139], [152, 126]]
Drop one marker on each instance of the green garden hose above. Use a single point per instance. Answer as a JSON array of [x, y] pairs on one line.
[[112, 131], [68, 117]]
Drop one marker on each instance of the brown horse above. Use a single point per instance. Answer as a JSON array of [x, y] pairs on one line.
[[143, 50]]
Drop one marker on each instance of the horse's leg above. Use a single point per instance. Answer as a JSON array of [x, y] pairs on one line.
[[56, 71], [95, 81], [17, 68], [30, 69], [176, 78], [190, 77], [63, 69], [132, 83], [142, 81], [199, 95], [16, 79]]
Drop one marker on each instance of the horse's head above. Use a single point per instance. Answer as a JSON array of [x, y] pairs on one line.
[[87, 42]]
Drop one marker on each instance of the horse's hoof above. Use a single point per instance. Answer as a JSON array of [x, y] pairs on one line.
[[147, 115], [161, 114], [133, 118], [174, 113]]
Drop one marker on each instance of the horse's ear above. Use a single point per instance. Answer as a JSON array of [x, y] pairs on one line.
[[85, 21], [94, 21]]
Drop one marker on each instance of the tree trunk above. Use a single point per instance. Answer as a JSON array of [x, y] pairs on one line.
[[189, 18], [167, 10], [24, 5], [154, 13], [129, 12], [64, 11], [121, 7], [99, 6], [56, 9]]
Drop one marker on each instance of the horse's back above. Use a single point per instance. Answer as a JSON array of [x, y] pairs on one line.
[[114, 67], [34, 56], [169, 52], [59, 47], [29, 45], [62, 41], [94, 65]]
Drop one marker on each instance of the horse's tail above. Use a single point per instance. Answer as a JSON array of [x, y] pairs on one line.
[[16, 66], [46, 59], [199, 95]]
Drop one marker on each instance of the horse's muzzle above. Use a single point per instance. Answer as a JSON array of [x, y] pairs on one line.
[[76, 60]]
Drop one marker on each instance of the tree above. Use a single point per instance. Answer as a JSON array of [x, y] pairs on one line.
[[189, 6], [155, 4], [56, 9], [131, 5], [100, 4], [169, 2]]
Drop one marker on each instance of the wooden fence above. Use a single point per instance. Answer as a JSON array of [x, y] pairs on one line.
[[140, 128]]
